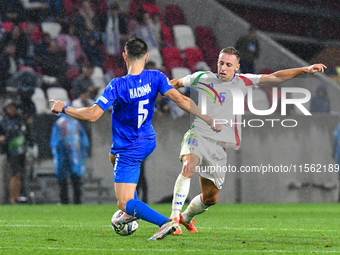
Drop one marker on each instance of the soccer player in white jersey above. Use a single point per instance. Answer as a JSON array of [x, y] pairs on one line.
[[202, 146]]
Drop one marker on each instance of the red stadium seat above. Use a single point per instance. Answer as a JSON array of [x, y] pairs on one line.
[[167, 35], [152, 8], [69, 9], [174, 15], [135, 5], [36, 37], [205, 37], [211, 56], [172, 58], [192, 56], [7, 26]]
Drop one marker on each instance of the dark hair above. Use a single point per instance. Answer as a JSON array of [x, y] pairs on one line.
[[140, 16], [136, 48], [231, 51], [113, 6]]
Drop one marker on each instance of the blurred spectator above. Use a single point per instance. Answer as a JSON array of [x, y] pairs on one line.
[[18, 37], [54, 65], [93, 52], [42, 48], [156, 27], [320, 102], [249, 48], [84, 81], [70, 47], [25, 81], [12, 11], [31, 44], [114, 29], [86, 22], [83, 100], [8, 65], [55, 10], [141, 28], [14, 137], [69, 144]]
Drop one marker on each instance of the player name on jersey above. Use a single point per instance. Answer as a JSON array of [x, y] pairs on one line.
[[140, 91]]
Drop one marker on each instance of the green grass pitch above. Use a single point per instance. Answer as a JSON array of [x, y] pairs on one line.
[[223, 229]]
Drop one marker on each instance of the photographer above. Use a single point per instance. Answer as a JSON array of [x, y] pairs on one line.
[[14, 137]]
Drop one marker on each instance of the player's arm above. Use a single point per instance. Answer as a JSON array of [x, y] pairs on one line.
[[188, 105], [90, 114], [285, 75], [177, 83]]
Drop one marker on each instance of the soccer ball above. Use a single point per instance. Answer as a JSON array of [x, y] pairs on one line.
[[123, 229]]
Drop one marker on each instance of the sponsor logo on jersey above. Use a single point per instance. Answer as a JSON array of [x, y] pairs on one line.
[[140, 91]]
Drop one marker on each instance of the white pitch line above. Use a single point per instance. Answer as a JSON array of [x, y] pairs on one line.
[[228, 228], [169, 250], [279, 229]]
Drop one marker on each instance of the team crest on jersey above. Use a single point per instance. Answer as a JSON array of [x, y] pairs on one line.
[[210, 90]]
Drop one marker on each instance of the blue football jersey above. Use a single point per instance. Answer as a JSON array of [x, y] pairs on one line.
[[133, 99]]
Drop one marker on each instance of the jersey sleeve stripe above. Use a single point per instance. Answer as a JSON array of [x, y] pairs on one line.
[[246, 80]]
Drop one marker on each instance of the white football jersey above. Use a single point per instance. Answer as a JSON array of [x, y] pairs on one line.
[[218, 98]]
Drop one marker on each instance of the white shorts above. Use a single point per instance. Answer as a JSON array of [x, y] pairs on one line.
[[211, 153]]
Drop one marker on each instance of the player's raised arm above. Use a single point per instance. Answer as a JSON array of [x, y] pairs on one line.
[[188, 105], [285, 75], [90, 114]]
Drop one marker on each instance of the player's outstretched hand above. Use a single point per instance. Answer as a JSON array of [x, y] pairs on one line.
[[316, 68], [57, 106]]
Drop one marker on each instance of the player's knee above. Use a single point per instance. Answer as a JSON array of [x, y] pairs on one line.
[[189, 168], [210, 201]]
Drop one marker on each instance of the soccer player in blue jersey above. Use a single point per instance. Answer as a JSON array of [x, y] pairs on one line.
[[133, 138]]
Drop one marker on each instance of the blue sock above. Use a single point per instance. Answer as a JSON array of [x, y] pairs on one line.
[[141, 210]]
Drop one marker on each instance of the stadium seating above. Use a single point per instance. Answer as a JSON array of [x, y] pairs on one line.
[[135, 5], [211, 56], [184, 37], [72, 73], [205, 37], [167, 35], [179, 72], [69, 9], [52, 28], [36, 37], [40, 101], [172, 58], [192, 56], [152, 8], [7, 26], [155, 56], [58, 94], [174, 15], [98, 77]]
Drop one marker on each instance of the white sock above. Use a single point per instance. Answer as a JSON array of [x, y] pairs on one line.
[[195, 207], [181, 191]]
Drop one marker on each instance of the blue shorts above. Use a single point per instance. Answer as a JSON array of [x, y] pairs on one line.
[[128, 160]]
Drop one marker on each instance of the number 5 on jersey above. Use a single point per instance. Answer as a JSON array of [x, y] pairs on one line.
[[142, 113]]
